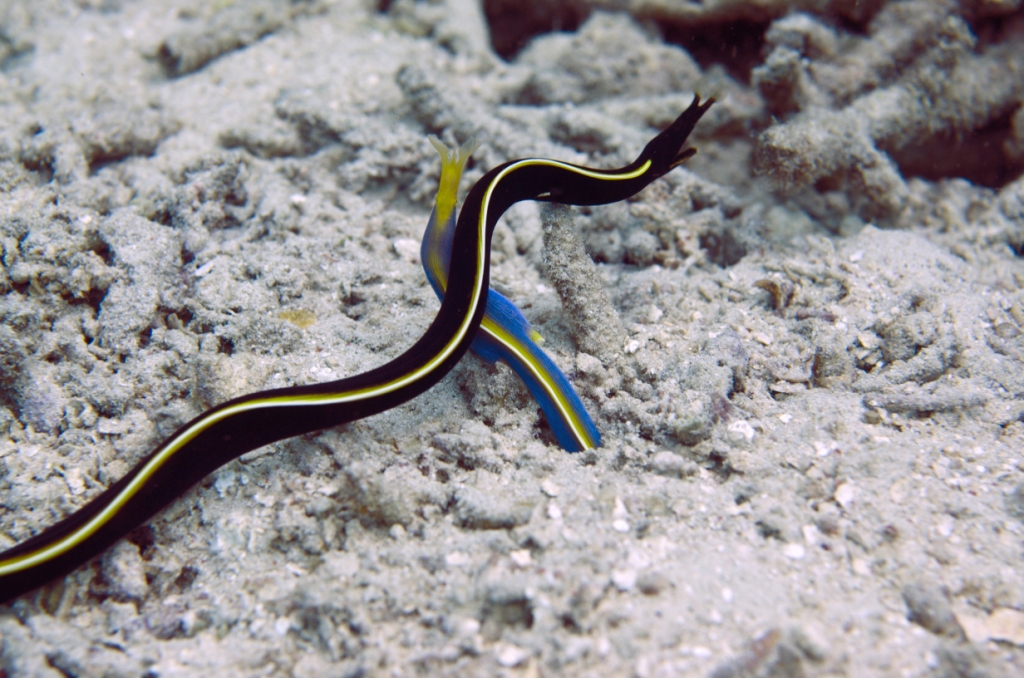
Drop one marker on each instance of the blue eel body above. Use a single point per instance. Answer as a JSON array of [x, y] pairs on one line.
[[505, 334]]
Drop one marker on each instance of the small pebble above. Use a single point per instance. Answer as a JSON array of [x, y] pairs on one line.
[[624, 580], [928, 607], [549, 488], [341, 563], [408, 249], [620, 511], [795, 551], [124, 572], [1007, 330], [652, 583], [812, 535], [1006, 624], [74, 480], [667, 464], [740, 431], [945, 525], [869, 340], [511, 655], [456, 558], [828, 519], [521, 558], [845, 495], [824, 448]]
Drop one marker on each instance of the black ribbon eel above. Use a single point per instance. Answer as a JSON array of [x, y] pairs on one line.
[[238, 426]]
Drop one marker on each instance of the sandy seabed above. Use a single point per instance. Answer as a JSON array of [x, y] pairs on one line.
[[808, 379]]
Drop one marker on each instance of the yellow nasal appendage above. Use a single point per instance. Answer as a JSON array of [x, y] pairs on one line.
[[452, 163]]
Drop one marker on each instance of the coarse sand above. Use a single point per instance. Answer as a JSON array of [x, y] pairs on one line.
[[804, 349]]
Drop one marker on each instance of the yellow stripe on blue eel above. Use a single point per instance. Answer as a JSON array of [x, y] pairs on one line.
[[505, 334]]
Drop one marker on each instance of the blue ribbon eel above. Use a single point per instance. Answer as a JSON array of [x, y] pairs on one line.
[[505, 334], [243, 424]]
